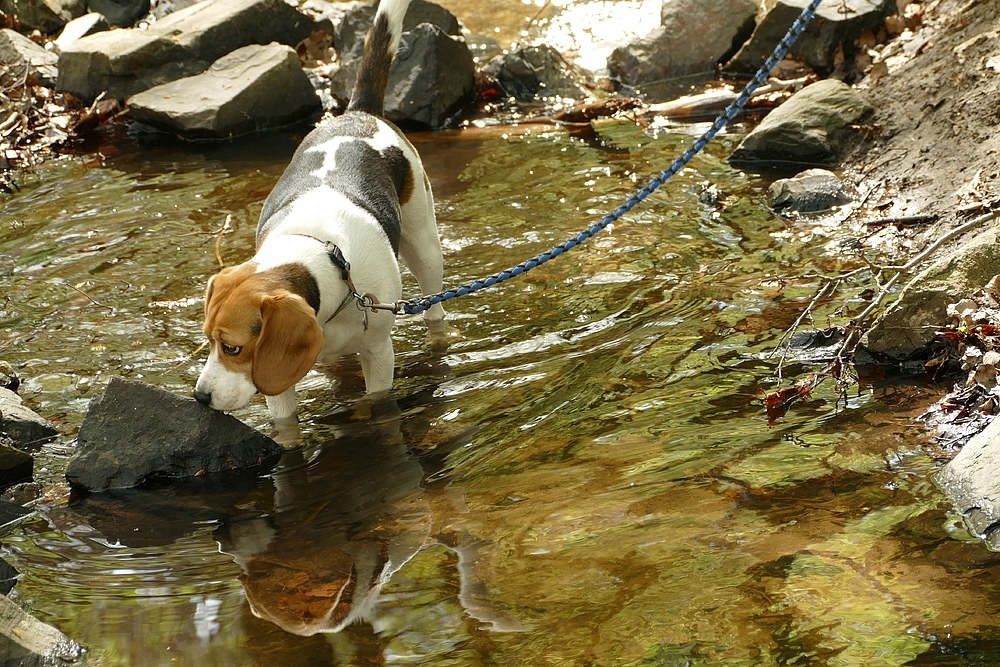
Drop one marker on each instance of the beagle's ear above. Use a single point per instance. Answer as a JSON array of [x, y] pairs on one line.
[[208, 294], [289, 342]]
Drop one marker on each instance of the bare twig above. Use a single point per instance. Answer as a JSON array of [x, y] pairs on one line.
[[227, 226]]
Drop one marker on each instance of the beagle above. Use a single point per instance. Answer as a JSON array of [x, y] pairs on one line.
[[353, 198]]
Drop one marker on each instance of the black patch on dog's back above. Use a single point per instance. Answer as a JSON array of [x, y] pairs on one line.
[[375, 181]]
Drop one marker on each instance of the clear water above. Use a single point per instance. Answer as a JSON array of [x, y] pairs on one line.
[[585, 476]]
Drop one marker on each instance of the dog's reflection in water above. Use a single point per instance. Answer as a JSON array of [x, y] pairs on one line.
[[344, 521]]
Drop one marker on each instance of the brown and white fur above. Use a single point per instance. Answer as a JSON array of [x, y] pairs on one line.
[[355, 182]]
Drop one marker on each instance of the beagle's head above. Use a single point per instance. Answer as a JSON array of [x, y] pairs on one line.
[[263, 334]]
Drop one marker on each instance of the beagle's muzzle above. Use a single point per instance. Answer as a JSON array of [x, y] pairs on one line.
[[352, 200]]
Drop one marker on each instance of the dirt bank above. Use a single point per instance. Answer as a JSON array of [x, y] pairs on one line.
[[932, 147]]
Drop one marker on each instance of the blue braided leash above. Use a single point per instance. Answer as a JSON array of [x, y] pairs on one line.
[[422, 303]]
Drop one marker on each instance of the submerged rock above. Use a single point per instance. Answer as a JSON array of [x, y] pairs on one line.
[[809, 191], [24, 427], [693, 36], [814, 127], [137, 431], [832, 29], [265, 88]]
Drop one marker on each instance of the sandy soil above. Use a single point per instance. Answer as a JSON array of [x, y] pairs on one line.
[[932, 147]]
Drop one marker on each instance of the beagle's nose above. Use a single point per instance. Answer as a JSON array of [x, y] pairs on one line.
[[203, 397]]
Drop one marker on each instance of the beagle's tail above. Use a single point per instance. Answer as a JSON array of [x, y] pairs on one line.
[[381, 43]]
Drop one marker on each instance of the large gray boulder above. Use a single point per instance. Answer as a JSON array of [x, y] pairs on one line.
[[137, 431], [902, 329], [264, 88], [829, 31], [47, 16], [814, 127], [971, 481], [125, 62], [432, 79], [693, 36], [25, 428], [18, 51]]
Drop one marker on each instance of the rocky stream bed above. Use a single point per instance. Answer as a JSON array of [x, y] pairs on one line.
[[883, 118]]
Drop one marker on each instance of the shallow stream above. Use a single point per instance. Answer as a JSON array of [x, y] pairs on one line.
[[585, 476]]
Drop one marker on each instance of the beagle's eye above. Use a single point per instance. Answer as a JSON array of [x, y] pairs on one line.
[[231, 350]]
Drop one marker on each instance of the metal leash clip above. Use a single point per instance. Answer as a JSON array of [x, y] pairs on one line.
[[369, 302]]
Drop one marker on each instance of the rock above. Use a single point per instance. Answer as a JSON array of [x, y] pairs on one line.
[[902, 329], [432, 79], [136, 432], [16, 466], [971, 481], [121, 13], [11, 516], [351, 20], [8, 577], [437, 61], [815, 346], [809, 191], [814, 127], [534, 71], [22, 494], [25, 428], [125, 62], [160, 8], [8, 377], [264, 88], [80, 27], [830, 30], [693, 36], [27, 642], [17, 51], [47, 16]]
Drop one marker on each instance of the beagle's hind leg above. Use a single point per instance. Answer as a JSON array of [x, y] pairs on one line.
[[420, 248]]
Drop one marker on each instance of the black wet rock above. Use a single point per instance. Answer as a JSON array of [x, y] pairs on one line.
[[16, 466], [431, 81], [137, 432], [11, 516], [121, 13], [534, 71], [8, 577]]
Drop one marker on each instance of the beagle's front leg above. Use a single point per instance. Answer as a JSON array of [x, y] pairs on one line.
[[377, 365], [282, 406]]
